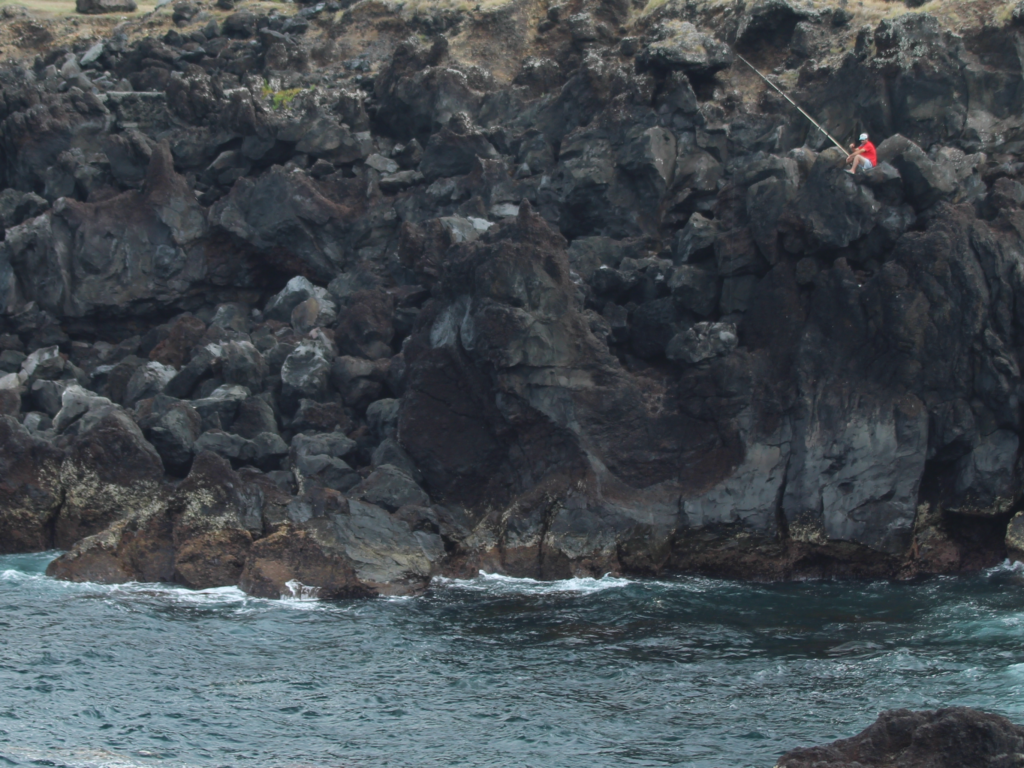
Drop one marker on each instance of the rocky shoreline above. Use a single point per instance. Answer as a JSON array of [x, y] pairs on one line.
[[359, 295], [953, 737]]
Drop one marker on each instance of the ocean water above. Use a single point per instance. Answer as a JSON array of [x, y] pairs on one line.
[[491, 671]]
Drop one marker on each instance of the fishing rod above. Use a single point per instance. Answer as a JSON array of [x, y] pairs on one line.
[[799, 108]]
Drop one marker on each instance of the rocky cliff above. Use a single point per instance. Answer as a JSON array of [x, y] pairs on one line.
[[352, 296]]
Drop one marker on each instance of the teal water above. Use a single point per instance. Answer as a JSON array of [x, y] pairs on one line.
[[489, 672]]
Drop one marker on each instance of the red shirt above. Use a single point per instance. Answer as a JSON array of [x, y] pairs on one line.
[[868, 151]]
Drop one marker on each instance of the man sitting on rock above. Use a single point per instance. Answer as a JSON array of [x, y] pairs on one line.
[[864, 156]]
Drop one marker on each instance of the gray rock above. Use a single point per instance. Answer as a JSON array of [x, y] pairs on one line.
[[106, 6], [254, 415], [281, 304], [148, 381], [695, 289], [382, 417], [390, 488], [695, 241], [76, 402], [703, 341], [678, 45], [304, 374], [45, 363], [47, 395], [390, 452], [987, 479], [334, 444], [925, 182], [264, 452], [394, 183], [242, 364]]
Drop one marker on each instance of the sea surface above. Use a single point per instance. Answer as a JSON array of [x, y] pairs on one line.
[[490, 671]]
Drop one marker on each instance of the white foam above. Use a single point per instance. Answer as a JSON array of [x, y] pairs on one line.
[[1007, 566], [497, 583]]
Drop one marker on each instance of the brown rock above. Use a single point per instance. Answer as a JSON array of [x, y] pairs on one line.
[[946, 738], [186, 332], [30, 490], [216, 516], [366, 326], [110, 472]]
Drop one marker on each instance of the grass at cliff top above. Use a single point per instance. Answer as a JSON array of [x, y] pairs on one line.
[[67, 8], [952, 12]]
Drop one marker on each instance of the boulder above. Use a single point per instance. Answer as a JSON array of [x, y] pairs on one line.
[[264, 451], [110, 471], [147, 381], [106, 6], [304, 374], [703, 341], [389, 487], [454, 152], [30, 491], [943, 738], [339, 548], [678, 45], [171, 426], [925, 182]]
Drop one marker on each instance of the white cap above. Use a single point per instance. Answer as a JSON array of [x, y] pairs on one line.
[[863, 137]]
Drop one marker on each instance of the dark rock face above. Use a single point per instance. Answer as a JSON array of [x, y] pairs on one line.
[[271, 317], [944, 738], [30, 490]]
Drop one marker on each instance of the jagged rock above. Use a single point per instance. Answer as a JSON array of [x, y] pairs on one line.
[[31, 491], [695, 289], [148, 381], [254, 415], [703, 341], [199, 536], [943, 738], [184, 334], [110, 471], [987, 479], [770, 21], [171, 426], [358, 381], [390, 488], [47, 395], [452, 153], [264, 451], [391, 452], [925, 182], [106, 6], [340, 548], [44, 363], [159, 225], [678, 45], [382, 417], [240, 363], [319, 417], [366, 327], [16, 207], [218, 411], [305, 373], [830, 211], [695, 241]]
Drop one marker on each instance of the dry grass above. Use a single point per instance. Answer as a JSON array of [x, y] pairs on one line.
[[58, 8], [955, 14]]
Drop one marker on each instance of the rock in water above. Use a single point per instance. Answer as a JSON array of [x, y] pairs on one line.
[[946, 738]]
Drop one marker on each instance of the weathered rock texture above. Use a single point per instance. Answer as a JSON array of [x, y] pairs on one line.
[[347, 299], [944, 738]]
